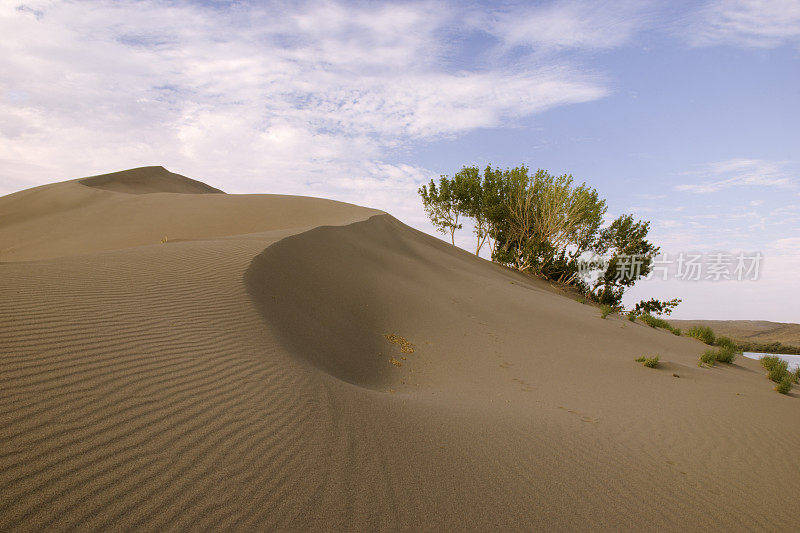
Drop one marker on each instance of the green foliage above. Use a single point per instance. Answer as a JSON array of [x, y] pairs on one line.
[[771, 361], [703, 333], [649, 362], [785, 384], [778, 372], [708, 358], [725, 342], [478, 199], [727, 354], [631, 316], [605, 310], [545, 224], [676, 331], [654, 322], [772, 347], [549, 223], [656, 307], [445, 203], [631, 256]]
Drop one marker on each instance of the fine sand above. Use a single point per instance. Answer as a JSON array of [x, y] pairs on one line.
[[238, 376]]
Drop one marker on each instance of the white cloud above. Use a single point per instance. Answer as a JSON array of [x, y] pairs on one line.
[[578, 25], [738, 172], [788, 245], [307, 99], [751, 23]]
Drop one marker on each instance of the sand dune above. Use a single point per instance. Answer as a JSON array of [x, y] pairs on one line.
[[238, 376], [147, 180]]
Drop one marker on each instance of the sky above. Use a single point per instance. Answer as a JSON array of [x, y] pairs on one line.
[[686, 114]]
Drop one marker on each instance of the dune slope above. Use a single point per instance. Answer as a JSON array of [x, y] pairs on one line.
[[240, 378], [139, 207]]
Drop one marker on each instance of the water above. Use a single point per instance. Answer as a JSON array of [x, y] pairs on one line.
[[793, 360]]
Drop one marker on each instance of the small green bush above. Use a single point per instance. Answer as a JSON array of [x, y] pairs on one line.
[[703, 333], [797, 375], [606, 310], [632, 316], [785, 384], [726, 354], [725, 342], [709, 357], [778, 372], [654, 322], [676, 331], [649, 362], [771, 361]]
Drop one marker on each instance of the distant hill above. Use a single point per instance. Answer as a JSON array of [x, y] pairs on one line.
[[757, 331]]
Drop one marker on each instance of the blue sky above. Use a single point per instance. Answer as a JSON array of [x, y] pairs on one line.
[[686, 114]]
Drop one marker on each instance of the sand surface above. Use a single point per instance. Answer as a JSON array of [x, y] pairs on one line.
[[238, 376]]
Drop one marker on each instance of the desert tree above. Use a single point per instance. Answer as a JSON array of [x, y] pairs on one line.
[[443, 204], [472, 194], [630, 258], [545, 224], [549, 223]]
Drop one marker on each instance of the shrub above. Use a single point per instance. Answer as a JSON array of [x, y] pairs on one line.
[[726, 354], [723, 355], [654, 322], [605, 310], [676, 331], [632, 316], [649, 362], [709, 357], [771, 361], [778, 372], [785, 384], [703, 333], [725, 342]]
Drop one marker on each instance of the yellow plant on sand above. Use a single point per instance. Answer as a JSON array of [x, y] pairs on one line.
[[405, 346]]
